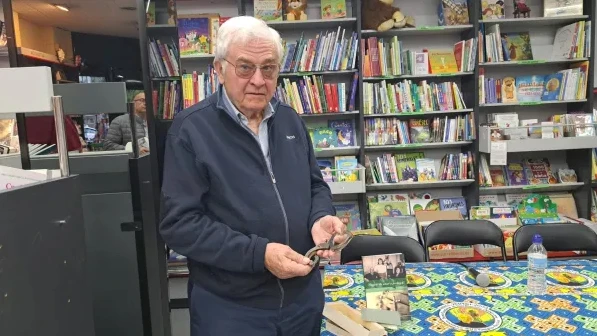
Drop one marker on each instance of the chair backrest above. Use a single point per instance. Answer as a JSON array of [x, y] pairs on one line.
[[463, 232], [556, 237], [373, 245]]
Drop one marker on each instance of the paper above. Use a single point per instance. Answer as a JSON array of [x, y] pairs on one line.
[[499, 153]]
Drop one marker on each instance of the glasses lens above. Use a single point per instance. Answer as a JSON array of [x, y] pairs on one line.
[[245, 70], [269, 71]]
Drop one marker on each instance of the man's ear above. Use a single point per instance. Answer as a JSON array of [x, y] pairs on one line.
[[219, 67]]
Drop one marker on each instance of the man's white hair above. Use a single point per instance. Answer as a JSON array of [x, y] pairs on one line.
[[240, 30]]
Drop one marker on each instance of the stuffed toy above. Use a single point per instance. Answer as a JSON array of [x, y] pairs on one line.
[[380, 15]]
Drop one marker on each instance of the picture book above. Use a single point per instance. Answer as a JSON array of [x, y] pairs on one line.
[[324, 137], [387, 209], [326, 166], [392, 198], [516, 174], [552, 87], [295, 10], [333, 9], [349, 214], [346, 169], [426, 170], [529, 88], [419, 130], [424, 204], [518, 46], [344, 131], [454, 203], [509, 90], [562, 7], [452, 12], [404, 226], [497, 176], [488, 200], [537, 209], [492, 9], [442, 62], [385, 284], [406, 165], [194, 35], [538, 171], [268, 10]]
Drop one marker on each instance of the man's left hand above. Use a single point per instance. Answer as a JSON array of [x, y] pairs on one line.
[[322, 231]]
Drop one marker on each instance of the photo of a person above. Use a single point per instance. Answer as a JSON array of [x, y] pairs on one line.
[[381, 269]]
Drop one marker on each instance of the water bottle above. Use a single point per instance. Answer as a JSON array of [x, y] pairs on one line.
[[537, 264]]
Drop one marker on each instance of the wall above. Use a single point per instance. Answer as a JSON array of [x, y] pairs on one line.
[[41, 38], [102, 52]]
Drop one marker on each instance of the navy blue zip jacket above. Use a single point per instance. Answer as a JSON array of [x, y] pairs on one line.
[[221, 205]]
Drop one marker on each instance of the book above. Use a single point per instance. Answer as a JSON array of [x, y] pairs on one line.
[[529, 88], [268, 10], [385, 284], [194, 35], [333, 9], [518, 46], [404, 226], [426, 170]]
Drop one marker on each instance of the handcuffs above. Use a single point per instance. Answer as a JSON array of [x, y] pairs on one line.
[[328, 245]]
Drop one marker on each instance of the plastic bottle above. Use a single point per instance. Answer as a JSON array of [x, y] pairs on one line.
[[537, 264]]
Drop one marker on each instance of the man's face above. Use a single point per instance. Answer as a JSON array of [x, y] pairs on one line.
[[139, 101], [249, 95]]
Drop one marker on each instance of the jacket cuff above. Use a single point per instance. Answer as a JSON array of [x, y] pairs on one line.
[[259, 255]]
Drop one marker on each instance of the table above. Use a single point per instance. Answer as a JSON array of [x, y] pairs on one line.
[[445, 301]]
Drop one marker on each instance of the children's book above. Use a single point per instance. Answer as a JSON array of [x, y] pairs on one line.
[[492, 9], [387, 209], [553, 87], [194, 35], [324, 137], [424, 204], [407, 167], [326, 166], [538, 171], [529, 88], [385, 284], [426, 170], [349, 214], [333, 9], [497, 176], [442, 62], [516, 174], [454, 203], [346, 169], [419, 130], [404, 226], [518, 46], [268, 10], [344, 131]]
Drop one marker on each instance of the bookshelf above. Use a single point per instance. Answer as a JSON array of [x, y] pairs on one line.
[[567, 152]]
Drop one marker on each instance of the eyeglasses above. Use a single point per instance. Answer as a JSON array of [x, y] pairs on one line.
[[140, 100], [247, 70]]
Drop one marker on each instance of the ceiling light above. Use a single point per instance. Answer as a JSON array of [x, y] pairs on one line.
[[62, 7]]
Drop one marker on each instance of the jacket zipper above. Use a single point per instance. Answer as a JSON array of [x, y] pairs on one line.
[[271, 173]]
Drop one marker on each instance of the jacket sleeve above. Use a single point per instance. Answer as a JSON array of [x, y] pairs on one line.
[[113, 139], [321, 195], [185, 226]]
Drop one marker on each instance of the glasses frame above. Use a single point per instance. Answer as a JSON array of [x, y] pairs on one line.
[[255, 67]]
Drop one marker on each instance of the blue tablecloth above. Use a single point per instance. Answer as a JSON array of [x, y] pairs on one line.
[[445, 301]]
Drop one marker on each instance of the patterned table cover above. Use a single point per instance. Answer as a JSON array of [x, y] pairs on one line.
[[438, 291]]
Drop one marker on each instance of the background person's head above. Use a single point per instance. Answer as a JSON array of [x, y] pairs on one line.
[[139, 101], [244, 42]]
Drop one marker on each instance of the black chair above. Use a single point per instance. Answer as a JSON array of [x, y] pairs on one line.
[[374, 245], [556, 237], [463, 232]]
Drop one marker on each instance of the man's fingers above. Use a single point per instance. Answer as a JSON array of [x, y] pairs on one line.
[[298, 269], [338, 226], [297, 258]]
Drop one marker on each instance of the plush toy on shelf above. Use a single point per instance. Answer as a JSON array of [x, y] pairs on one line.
[[380, 15]]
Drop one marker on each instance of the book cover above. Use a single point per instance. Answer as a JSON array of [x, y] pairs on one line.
[[404, 226], [349, 214], [426, 170], [387, 209], [326, 166], [194, 36], [553, 86], [419, 130], [442, 62], [344, 131], [385, 283], [406, 166], [324, 137], [562, 7], [516, 174], [454, 203], [452, 12], [509, 90], [492, 9], [333, 9], [346, 169], [268, 10], [497, 176], [518, 46], [529, 88], [538, 171], [424, 204], [295, 10]]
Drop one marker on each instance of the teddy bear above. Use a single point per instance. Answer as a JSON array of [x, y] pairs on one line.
[[380, 15]]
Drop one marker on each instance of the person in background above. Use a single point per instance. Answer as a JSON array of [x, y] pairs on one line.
[[120, 133], [243, 197]]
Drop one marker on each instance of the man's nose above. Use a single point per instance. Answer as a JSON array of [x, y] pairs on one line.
[[257, 78]]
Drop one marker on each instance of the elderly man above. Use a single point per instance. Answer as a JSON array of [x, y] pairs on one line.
[[244, 199]]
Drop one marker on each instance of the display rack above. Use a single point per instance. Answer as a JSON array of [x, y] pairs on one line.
[[566, 152]]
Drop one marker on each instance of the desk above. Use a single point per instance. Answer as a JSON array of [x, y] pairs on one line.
[[439, 291]]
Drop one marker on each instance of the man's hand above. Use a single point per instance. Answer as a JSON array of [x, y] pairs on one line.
[[143, 150], [284, 262], [322, 231]]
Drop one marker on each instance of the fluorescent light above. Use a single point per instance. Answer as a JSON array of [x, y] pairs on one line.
[[62, 7]]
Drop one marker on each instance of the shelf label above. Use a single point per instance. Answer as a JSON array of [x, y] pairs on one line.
[[537, 186], [431, 28], [531, 62], [318, 149], [448, 74], [531, 103], [410, 113]]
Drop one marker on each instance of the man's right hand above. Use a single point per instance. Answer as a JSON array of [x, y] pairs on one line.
[[284, 262]]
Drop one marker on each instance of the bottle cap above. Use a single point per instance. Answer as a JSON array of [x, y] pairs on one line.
[[537, 239]]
